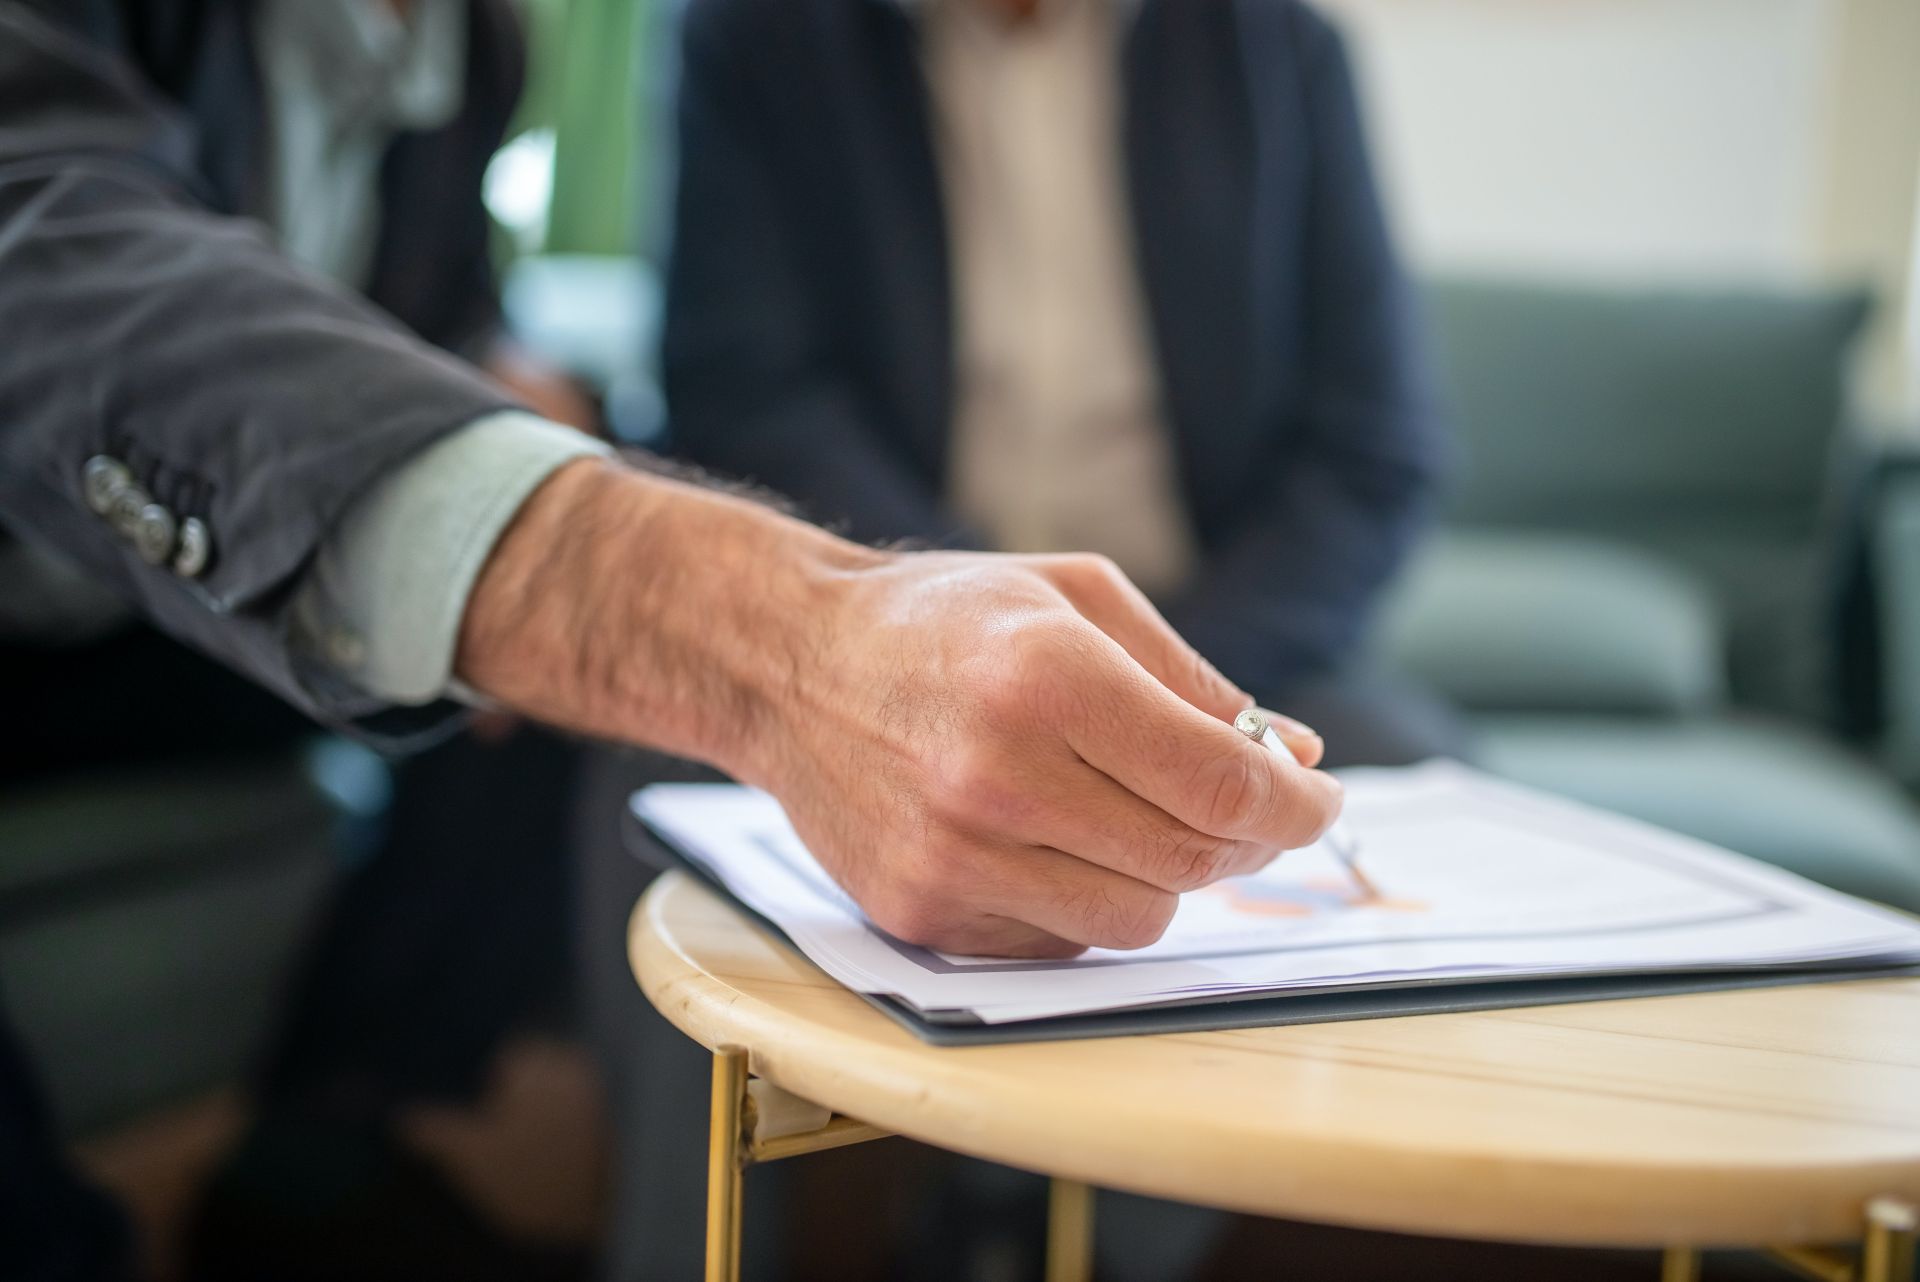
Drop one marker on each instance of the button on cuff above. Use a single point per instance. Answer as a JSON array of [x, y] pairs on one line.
[[154, 534], [196, 549], [103, 480]]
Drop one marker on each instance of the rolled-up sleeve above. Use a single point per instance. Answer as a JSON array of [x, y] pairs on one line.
[[383, 602]]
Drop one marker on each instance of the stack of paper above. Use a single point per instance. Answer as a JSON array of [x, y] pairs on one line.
[[1480, 881]]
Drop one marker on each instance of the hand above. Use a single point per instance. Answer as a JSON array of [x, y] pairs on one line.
[[1010, 755], [1016, 755], [546, 390]]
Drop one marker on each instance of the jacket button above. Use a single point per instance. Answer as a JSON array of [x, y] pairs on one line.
[[123, 513], [154, 534], [196, 549], [103, 479]]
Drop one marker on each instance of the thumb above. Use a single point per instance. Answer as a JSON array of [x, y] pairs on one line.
[[1301, 739]]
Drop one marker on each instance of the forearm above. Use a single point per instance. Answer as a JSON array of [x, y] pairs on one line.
[[639, 608]]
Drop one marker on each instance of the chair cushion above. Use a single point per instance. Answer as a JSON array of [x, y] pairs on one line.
[[1762, 786], [1555, 623], [1578, 404]]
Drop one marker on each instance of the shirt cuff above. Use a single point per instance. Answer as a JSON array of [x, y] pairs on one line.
[[381, 606]]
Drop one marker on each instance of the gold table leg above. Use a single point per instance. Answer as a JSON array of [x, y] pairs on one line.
[[1069, 1232], [1680, 1264], [1893, 1228], [726, 1164], [1820, 1263]]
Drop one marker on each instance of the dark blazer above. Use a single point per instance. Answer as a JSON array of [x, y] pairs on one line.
[[148, 320], [809, 331]]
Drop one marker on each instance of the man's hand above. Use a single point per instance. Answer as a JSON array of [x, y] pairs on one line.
[[992, 754], [546, 390]]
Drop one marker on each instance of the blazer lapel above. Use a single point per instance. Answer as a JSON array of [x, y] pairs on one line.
[[1188, 137]]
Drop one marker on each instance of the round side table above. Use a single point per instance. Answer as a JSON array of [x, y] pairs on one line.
[[1785, 1118]]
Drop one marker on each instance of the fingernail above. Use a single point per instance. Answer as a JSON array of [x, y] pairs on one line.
[[1286, 725]]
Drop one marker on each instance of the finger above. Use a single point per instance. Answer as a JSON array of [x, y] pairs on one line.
[[1000, 936], [1075, 809], [1299, 738], [1110, 601], [1082, 903], [1201, 771], [950, 913]]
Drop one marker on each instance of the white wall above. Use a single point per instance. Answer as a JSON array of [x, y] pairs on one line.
[[1685, 140], [1870, 226]]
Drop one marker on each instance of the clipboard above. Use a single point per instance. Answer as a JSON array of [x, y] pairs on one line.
[[1215, 1013]]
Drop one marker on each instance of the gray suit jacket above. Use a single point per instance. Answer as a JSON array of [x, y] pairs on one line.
[[144, 319]]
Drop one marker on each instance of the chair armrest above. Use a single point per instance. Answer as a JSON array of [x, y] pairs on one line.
[[1894, 548]]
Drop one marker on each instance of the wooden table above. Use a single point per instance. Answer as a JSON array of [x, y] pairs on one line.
[[1753, 1119]]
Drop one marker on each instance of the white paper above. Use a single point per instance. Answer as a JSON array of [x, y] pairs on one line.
[[1478, 879]]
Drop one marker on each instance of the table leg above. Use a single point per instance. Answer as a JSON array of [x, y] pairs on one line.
[[1893, 1228], [1069, 1232], [726, 1164], [1680, 1264]]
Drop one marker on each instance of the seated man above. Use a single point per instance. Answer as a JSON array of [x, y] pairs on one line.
[[1066, 274]]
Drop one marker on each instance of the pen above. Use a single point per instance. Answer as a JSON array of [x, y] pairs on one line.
[[1254, 724]]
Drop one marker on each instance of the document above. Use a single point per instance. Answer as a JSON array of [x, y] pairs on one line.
[[1479, 880]]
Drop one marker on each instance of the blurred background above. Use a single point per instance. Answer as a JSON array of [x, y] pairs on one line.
[[1670, 250], [1703, 142]]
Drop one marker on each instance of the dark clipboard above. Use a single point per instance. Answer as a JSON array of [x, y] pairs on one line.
[[1322, 1006]]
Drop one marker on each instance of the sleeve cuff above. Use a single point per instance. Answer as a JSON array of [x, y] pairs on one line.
[[382, 604]]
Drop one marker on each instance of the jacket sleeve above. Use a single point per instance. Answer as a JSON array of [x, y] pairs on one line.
[[1288, 593], [750, 384], [233, 388]]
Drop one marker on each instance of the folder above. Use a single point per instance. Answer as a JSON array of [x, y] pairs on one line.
[[1691, 919]]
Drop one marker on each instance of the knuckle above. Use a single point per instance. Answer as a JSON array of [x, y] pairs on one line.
[[942, 877], [1039, 641], [1150, 919], [1015, 694], [1001, 804], [976, 787], [1202, 676], [1091, 576], [1135, 921], [1097, 569], [908, 917], [1193, 860], [958, 778], [1016, 663], [921, 908], [1233, 790], [1042, 662]]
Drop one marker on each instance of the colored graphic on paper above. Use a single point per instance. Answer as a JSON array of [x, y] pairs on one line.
[[1256, 897]]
